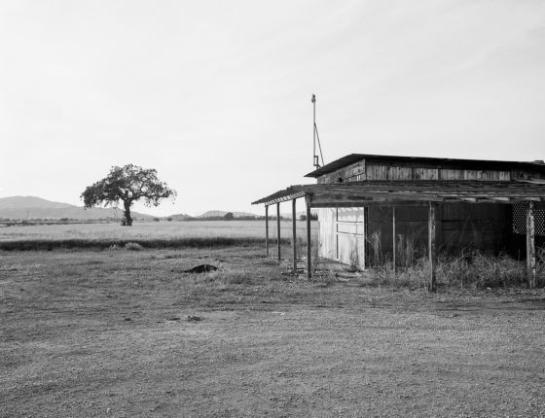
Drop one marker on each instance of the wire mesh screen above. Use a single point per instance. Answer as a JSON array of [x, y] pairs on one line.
[[519, 218]]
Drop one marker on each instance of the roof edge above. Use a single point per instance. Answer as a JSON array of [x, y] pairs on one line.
[[353, 158]]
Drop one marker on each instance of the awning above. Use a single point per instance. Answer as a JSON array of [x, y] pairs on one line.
[[409, 192]]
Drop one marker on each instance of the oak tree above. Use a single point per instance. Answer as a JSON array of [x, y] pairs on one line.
[[127, 185]]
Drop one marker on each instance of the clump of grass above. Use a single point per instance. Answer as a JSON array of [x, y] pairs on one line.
[[133, 246]]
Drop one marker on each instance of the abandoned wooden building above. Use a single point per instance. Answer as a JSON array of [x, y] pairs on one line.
[[375, 209]]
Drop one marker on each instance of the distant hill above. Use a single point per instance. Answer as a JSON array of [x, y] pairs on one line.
[[32, 207], [222, 213], [179, 217]]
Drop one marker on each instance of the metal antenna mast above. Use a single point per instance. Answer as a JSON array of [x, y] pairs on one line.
[[316, 138]]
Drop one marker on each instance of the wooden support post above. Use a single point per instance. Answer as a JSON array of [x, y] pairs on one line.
[[278, 230], [432, 253], [394, 239], [309, 242], [366, 236], [267, 229], [294, 233], [530, 246]]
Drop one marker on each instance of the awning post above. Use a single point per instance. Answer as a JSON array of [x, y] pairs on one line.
[[278, 230], [432, 253], [530, 246], [309, 242], [267, 229], [294, 233], [394, 239]]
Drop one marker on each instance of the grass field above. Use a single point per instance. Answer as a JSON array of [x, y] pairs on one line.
[[105, 333], [151, 230]]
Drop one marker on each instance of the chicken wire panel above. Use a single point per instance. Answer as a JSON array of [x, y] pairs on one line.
[[519, 218]]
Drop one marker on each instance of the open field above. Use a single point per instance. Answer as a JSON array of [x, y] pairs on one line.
[[151, 230], [105, 333]]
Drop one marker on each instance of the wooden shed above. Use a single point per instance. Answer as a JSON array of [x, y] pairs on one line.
[[371, 208]]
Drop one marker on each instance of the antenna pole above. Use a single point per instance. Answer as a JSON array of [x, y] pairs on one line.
[[315, 137], [314, 159]]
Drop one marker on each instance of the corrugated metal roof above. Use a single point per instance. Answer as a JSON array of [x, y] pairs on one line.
[[429, 161]]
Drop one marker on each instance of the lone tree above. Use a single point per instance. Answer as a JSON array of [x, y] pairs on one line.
[[127, 184]]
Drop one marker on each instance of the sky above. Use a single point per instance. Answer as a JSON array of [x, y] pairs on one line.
[[215, 95]]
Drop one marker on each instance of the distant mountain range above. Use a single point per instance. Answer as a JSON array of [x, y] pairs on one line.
[[32, 207]]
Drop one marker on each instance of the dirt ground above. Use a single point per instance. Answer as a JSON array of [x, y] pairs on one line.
[[107, 334]]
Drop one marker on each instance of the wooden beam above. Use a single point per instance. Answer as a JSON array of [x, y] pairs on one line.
[[267, 229], [432, 251], [294, 233], [309, 241], [366, 203], [278, 230], [394, 239], [530, 246]]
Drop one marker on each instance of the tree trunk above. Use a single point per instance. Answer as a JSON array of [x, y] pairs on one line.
[[127, 220]]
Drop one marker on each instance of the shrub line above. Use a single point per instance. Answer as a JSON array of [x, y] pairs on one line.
[[196, 242]]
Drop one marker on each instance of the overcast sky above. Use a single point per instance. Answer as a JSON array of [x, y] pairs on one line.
[[216, 94]]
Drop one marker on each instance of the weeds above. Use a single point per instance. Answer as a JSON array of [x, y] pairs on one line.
[[476, 272], [354, 259], [375, 242]]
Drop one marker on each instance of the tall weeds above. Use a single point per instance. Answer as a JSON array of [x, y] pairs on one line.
[[375, 243], [476, 272]]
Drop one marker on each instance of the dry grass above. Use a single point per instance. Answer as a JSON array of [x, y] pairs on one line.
[[476, 272], [149, 230], [105, 333]]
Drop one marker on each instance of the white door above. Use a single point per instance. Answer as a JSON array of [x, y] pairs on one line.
[[351, 236]]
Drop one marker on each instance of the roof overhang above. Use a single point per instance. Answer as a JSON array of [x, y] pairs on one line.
[[454, 163], [408, 192]]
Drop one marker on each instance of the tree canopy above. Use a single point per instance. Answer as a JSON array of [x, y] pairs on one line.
[[127, 184]]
